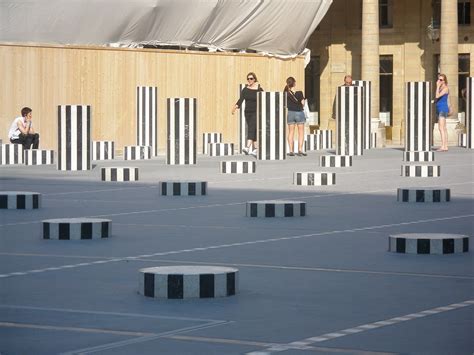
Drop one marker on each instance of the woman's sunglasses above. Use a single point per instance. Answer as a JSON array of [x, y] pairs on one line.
[[250, 78]]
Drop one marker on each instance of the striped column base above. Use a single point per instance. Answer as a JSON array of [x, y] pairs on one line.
[[180, 282], [418, 156], [421, 170], [275, 208], [313, 142], [11, 154], [238, 167], [325, 138], [373, 140], [428, 243], [314, 178], [39, 157], [335, 161], [183, 188], [20, 200], [210, 137], [423, 194], [119, 174], [103, 150], [220, 149], [76, 228], [462, 140], [137, 152]]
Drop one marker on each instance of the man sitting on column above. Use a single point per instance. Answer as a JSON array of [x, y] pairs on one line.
[[22, 131]]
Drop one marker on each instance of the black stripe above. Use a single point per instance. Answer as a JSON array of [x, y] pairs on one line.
[[418, 171], [423, 246], [164, 188], [448, 195], [126, 174], [448, 246], [253, 210], [20, 202], [149, 285], [45, 230], [406, 195], [175, 286], [430, 171], [176, 188], [113, 174], [104, 229], [420, 196], [103, 174], [465, 244], [191, 188], [269, 210], [63, 230], [203, 188], [86, 230], [302, 209], [324, 179], [298, 178], [206, 285], [79, 137], [230, 283], [67, 142], [436, 195], [233, 167], [289, 210], [136, 174], [35, 201], [401, 245]]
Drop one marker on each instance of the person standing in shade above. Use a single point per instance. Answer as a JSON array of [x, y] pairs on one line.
[[249, 95], [442, 109], [22, 131], [295, 104]]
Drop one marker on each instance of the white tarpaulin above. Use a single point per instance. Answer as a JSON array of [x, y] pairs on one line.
[[277, 27]]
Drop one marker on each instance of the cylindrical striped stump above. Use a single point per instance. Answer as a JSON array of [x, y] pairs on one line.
[[325, 138], [180, 282], [275, 208], [428, 243], [20, 200], [119, 174], [417, 116], [369, 139], [335, 161], [11, 154], [77, 228], [421, 170], [418, 156], [313, 142], [137, 152], [373, 140], [181, 144], [462, 140], [221, 149], [238, 167], [271, 125], [182, 188], [470, 112], [314, 178], [103, 150], [39, 157], [349, 120], [210, 137], [147, 117], [423, 194], [74, 137]]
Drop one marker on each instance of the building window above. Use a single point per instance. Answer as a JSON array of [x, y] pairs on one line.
[[312, 82], [386, 13], [386, 86], [464, 64], [464, 12], [436, 19]]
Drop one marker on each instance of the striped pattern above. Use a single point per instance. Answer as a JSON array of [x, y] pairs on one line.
[[210, 137], [470, 112], [103, 150], [242, 123], [335, 161], [349, 117], [238, 167], [39, 157], [373, 140], [313, 142], [119, 174], [136, 152], [462, 140], [20, 200], [314, 178], [417, 116], [421, 170], [181, 282], [428, 243], [369, 142], [76, 228], [267, 209], [11, 154], [325, 138], [271, 125], [418, 156], [183, 188], [147, 117], [221, 149], [74, 137], [181, 145], [423, 194]]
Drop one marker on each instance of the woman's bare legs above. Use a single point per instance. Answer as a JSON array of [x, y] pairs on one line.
[[444, 134], [291, 137], [300, 137]]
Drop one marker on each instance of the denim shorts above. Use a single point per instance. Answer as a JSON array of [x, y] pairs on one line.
[[442, 114], [296, 117]]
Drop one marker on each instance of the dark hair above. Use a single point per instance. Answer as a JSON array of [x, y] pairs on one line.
[[253, 74], [290, 82], [25, 111]]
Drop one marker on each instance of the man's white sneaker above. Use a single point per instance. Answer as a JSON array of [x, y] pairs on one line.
[[254, 153]]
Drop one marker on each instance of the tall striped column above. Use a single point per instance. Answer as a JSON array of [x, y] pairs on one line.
[[147, 117], [181, 146], [417, 116], [74, 137], [242, 124], [366, 121], [349, 116], [271, 125], [470, 112]]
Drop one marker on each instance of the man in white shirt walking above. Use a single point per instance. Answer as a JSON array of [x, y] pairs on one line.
[[22, 131]]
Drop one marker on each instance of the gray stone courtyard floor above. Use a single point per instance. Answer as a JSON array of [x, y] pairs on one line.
[[308, 285]]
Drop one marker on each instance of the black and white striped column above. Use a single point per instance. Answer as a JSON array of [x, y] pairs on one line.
[[103, 150], [417, 116], [119, 174], [238, 167], [243, 129], [271, 125], [470, 112], [275, 208], [210, 137], [462, 140], [136, 152], [181, 147], [373, 140], [182, 188], [147, 117], [20, 200], [221, 149], [428, 243], [369, 142], [325, 138], [335, 161], [11, 154], [349, 118], [423, 194], [314, 178], [39, 157], [74, 137], [418, 156], [313, 142], [77, 228], [421, 170]]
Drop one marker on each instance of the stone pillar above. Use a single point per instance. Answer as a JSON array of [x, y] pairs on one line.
[[449, 49]]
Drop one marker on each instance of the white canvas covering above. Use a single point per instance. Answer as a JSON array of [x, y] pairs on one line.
[[276, 27]]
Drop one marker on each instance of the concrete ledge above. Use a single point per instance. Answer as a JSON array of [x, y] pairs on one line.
[[428, 243]]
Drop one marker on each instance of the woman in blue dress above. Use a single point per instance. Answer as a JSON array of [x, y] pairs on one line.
[[442, 109]]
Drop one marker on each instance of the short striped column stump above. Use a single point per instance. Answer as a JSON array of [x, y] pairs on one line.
[[421, 170], [373, 140], [462, 140], [418, 156], [281, 208], [314, 178], [210, 137], [220, 149], [77, 228], [180, 282], [119, 174], [183, 188], [39, 157], [137, 152], [423, 194], [428, 243], [335, 161], [238, 167], [103, 150], [20, 200], [11, 154]]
